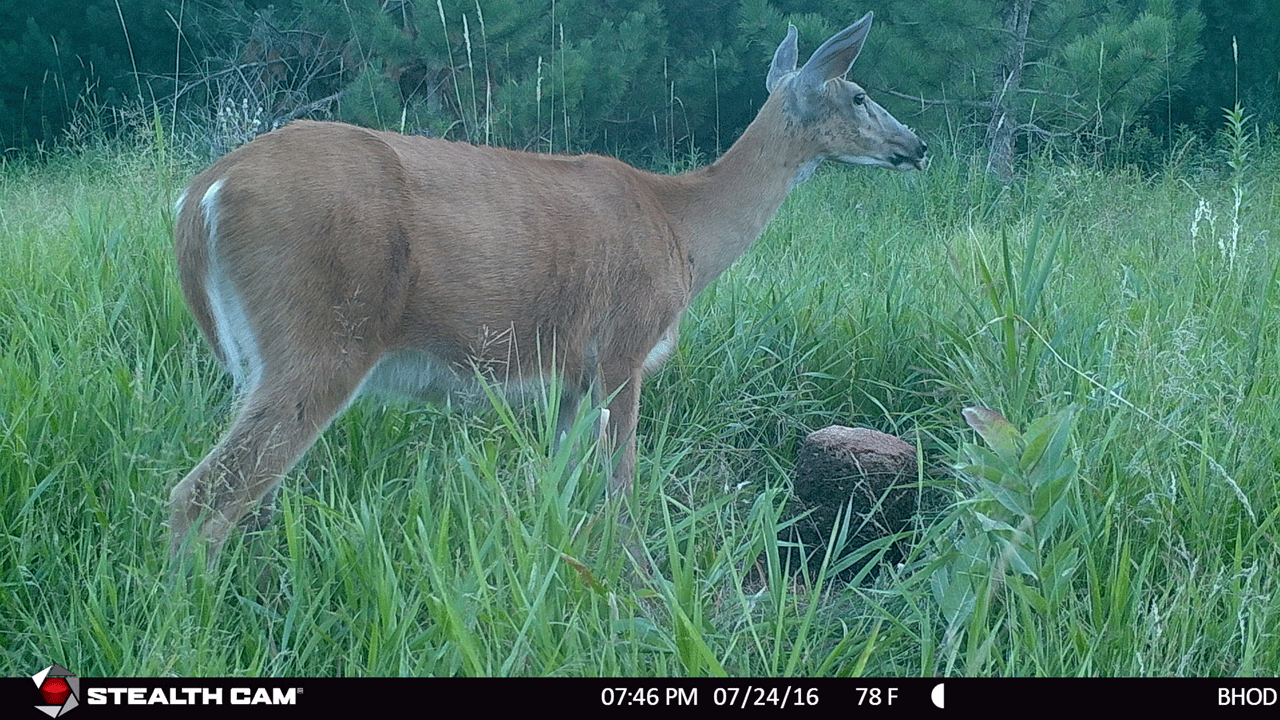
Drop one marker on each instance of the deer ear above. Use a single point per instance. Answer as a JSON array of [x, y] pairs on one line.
[[784, 60], [836, 55]]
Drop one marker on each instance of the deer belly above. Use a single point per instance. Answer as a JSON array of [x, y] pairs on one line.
[[422, 375]]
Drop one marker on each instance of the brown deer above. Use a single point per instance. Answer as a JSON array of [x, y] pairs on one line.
[[323, 260]]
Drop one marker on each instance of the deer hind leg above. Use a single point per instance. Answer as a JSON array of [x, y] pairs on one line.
[[260, 517], [280, 419], [585, 386], [622, 383]]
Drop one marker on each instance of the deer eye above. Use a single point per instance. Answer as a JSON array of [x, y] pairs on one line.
[[859, 98]]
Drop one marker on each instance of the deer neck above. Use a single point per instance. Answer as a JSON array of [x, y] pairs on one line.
[[721, 209]]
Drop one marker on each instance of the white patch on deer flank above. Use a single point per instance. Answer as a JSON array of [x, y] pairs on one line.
[[231, 323]]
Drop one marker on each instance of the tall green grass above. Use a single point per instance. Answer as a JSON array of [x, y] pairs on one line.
[[1120, 520]]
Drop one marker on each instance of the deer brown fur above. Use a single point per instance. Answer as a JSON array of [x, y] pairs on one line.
[[322, 260]]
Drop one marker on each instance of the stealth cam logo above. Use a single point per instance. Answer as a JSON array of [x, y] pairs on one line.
[[60, 688]]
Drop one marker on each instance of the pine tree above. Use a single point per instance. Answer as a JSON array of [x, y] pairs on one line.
[[1241, 63], [648, 79], [57, 56], [1076, 70]]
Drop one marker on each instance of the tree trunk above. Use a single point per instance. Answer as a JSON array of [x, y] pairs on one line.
[[1007, 81]]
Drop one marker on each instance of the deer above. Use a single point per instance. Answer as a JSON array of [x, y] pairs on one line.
[[323, 261]]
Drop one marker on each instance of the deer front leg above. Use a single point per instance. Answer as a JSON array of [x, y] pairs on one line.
[[623, 383]]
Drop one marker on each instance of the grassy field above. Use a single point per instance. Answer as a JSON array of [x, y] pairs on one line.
[[1126, 325]]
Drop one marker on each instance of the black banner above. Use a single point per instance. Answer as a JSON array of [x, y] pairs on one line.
[[59, 693]]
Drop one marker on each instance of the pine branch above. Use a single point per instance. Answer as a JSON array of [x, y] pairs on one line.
[[929, 102]]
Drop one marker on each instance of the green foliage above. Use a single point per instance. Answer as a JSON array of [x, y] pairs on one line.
[[1091, 68], [1008, 531], [655, 82], [56, 56], [371, 100], [1113, 74], [1120, 523], [1022, 482], [1239, 65]]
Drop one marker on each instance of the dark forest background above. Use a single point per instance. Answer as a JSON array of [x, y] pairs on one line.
[[650, 81]]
